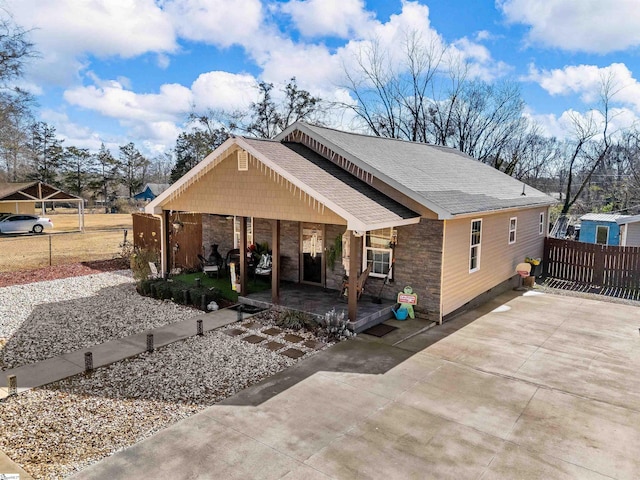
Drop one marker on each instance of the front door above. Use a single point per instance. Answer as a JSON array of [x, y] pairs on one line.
[[312, 247]]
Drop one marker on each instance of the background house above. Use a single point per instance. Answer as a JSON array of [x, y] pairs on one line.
[[151, 191], [601, 228], [629, 230], [452, 227]]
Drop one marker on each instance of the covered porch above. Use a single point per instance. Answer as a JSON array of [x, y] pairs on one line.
[[317, 301], [296, 201]]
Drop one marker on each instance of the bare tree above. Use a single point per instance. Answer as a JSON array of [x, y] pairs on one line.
[[590, 143]]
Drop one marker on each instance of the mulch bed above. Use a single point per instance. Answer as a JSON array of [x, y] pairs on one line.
[[62, 271]]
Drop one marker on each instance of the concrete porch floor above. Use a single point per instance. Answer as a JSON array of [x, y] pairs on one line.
[[318, 301]]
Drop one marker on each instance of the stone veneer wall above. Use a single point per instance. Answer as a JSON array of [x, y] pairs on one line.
[[418, 264], [289, 245], [217, 229]]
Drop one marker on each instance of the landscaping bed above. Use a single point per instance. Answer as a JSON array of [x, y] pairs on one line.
[[56, 430]]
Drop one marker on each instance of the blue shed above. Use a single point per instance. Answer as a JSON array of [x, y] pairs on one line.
[[600, 228]]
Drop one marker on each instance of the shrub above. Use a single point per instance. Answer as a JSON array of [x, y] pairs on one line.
[[336, 326], [139, 262], [296, 320]]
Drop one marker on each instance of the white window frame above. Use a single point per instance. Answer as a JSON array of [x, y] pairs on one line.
[[373, 250], [541, 224], [475, 246], [236, 232], [513, 230], [598, 227]]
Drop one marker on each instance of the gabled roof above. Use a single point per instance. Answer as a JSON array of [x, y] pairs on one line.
[[32, 191], [603, 217], [363, 207], [442, 179], [154, 189], [157, 188]]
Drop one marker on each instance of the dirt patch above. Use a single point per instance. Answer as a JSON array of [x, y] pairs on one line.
[[61, 271]]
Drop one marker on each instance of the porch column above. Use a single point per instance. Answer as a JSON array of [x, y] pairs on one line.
[[354, 260], [275, 262], [243, 255]]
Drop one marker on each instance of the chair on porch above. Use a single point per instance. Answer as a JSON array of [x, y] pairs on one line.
[[263, 267], [362, 279]]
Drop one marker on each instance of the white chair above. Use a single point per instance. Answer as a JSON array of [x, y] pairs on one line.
[[154, 270]]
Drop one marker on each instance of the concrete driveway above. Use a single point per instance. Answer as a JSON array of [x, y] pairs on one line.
[[534, 386]]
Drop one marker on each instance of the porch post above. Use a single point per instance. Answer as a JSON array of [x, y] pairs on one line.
[[354, 260], [243, 255], [275, 262]]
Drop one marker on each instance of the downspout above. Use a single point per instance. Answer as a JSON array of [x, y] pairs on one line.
[[163, 242]]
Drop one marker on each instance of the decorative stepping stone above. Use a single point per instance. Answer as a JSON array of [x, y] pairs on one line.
[[313, 344], [273, 346], [272, 331], [292, 353], [254, 339], [252, 325], [234, 332], [291, 338]]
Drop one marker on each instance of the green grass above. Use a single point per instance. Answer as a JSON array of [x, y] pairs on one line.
[[223, 284]]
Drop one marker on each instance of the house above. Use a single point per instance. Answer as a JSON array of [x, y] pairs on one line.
[[601, 228], [151, 191], [629, 230], [449, 226]]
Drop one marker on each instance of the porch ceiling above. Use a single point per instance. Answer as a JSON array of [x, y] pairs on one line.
[[281, 181]]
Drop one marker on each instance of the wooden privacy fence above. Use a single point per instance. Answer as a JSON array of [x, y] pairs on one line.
[[588, 263], [185, 237]]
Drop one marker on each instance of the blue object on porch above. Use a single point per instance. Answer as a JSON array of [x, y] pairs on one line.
[[400, 313]]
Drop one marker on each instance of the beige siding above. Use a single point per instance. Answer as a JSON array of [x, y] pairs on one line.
[[17, 207], [498, 258], [254, 193], [633, 234]]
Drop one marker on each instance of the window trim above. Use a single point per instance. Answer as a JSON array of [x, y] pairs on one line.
[[606, 238], [477, 246], [513, 221], [366, 249], [541, 224]]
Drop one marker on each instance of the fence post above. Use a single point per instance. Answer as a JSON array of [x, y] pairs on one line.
[[598, 265], [50, 250]]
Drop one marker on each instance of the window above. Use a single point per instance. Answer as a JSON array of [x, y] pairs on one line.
[[236, 231], [602, 234], [513, 225], [378, 252], [474, 251], [541, 224]]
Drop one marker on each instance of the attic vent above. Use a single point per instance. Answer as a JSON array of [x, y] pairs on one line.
[[243, 161]]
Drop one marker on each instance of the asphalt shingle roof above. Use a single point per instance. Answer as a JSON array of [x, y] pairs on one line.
[[439, 177], [344, 190]]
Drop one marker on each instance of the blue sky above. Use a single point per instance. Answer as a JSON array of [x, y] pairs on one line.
[[116, 71]]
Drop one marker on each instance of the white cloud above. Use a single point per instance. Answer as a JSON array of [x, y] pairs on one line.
[[586, 81], [340, 18], [72, 133], [223, 90], [65, 31], [112, 99], [217, 22], [577, 25]]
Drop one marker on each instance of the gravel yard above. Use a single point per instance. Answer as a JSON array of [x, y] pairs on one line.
[[45, 319], [56, 430]]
